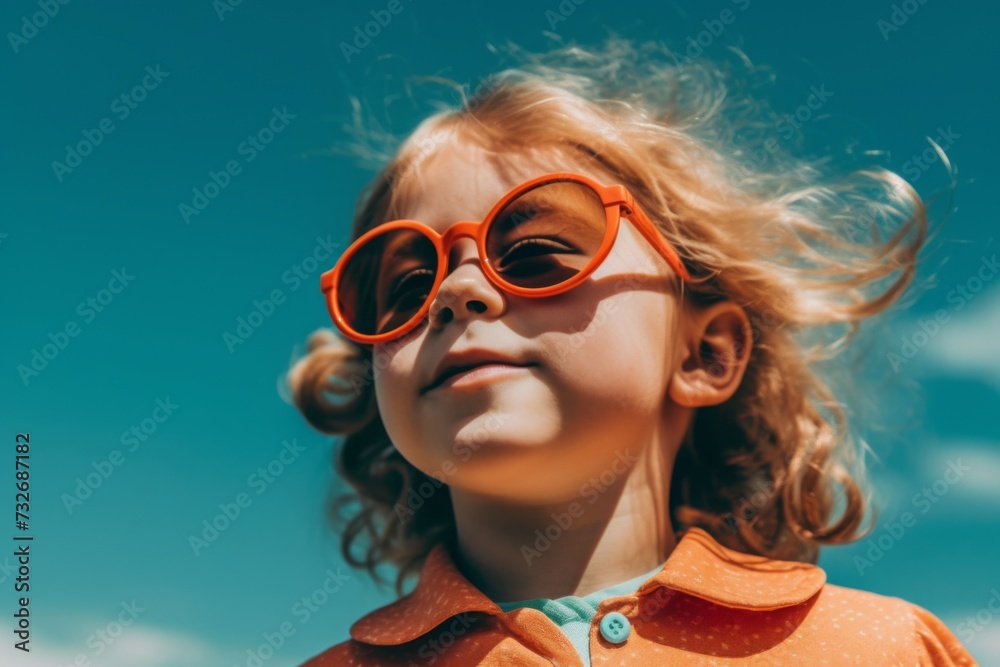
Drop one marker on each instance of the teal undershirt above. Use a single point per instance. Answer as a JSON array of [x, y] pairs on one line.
[[574, 614]]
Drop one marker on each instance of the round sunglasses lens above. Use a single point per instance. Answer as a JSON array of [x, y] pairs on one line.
[[387, 281], [547, 235]]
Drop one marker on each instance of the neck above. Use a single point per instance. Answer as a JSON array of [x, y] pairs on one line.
[[515, 552]]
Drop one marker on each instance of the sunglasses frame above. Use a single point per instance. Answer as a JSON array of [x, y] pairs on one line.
[[616, 199]]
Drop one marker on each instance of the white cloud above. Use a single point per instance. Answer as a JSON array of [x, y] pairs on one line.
[[138, 646], [982, 458], [968, 343], [975, 493], [984, 644]]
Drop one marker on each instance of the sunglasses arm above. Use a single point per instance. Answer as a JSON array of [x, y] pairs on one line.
[[654, 236]]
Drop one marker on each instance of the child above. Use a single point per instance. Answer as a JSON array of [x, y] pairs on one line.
[[574, 318]]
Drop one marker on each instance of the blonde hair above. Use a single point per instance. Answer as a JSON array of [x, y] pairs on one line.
[[803, 254]]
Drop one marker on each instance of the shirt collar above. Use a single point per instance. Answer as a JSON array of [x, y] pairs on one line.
[[697, 566]]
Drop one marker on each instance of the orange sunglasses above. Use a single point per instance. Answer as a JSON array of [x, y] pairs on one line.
[[544, 237]]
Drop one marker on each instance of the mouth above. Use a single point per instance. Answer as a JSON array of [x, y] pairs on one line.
[[474, 374]]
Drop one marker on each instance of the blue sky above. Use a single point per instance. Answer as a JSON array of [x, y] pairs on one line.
[[133, 268]]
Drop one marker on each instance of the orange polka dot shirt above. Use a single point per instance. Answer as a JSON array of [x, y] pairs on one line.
[[708, 605]]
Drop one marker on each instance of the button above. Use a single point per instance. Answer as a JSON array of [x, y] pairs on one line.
[[615, 627]]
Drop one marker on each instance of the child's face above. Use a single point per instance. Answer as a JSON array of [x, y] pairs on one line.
[[604, 352]]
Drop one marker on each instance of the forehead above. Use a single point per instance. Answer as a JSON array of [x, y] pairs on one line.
[[463, 181]]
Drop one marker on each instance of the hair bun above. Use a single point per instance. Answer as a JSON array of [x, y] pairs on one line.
[[331, 385]]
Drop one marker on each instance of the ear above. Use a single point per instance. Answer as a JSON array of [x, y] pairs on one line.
[[713, 353]]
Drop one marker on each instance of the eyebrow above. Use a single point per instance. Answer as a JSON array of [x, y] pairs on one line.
[[402, 239], [510, 218], [393, 251], [544, 203]]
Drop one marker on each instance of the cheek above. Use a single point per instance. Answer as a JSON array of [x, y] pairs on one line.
[[617, 351], [395, 387]]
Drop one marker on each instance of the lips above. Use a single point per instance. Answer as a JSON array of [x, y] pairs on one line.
[[459, 362]]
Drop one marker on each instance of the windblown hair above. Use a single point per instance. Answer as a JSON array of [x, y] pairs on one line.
[[808, 255]]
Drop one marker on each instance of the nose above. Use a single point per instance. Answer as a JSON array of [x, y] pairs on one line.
[[465, 290]]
